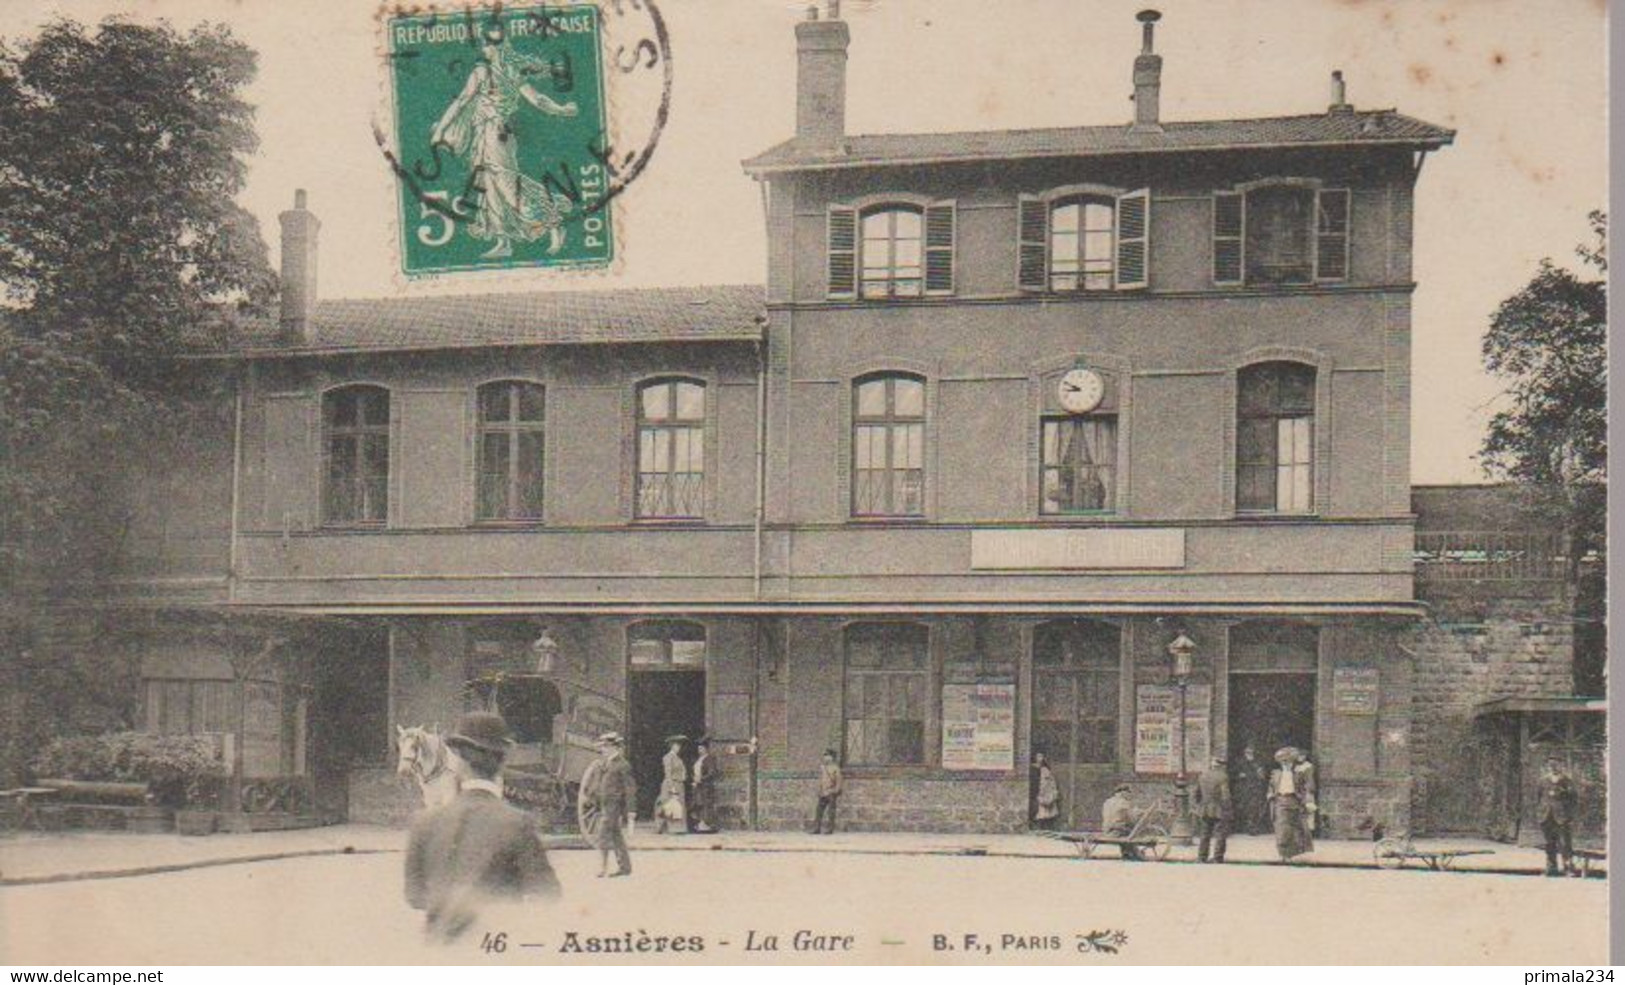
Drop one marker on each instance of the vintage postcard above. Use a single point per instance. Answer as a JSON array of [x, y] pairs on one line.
[[754, 482]]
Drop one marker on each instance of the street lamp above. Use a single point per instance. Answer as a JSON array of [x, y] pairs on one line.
[[546, 651], [1182, 650]]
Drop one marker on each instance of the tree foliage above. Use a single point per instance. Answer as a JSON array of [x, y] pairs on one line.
[[1549, 343], [121, 248]]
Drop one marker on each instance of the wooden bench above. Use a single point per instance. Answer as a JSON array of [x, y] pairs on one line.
[[96, 801], [24, 812], [1591, 856]]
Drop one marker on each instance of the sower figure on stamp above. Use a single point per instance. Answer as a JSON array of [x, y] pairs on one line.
[[1214, 811], [703, 794], [607, 795], [1558, 801], [830, 785], [476, 848], [477, 126]]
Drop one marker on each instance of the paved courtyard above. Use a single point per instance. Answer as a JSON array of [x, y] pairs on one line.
[[895, 906]]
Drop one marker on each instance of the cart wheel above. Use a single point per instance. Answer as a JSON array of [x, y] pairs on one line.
[[1163, 846], [1390, 853]]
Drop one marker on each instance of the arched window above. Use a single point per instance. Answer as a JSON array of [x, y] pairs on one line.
[[1076, 671], [888, 446], [671, 450], [355, 451], [511, 448], [892, 253], [888, 679], [1275, 438], [1082, 243]]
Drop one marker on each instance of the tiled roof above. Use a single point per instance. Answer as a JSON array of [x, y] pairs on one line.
[[1356, 128], [660, 314]]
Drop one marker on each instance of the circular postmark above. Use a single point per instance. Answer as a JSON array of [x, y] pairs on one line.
[[516, 126]]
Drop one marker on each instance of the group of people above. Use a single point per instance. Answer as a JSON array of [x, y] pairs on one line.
[[687, 793], [1224, 800]]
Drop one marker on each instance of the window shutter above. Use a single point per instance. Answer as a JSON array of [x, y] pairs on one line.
[[1033, 261], [1133, 239], [1229, 237], [1332, 234], [939, 248], [842, 226]]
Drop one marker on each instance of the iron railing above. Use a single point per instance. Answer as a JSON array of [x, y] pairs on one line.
[[1492, 555]]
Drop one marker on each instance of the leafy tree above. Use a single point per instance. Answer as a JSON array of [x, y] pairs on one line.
[[1549, 343], [121, 248]]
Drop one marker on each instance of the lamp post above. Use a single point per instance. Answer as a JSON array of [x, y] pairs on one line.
[[1181, 651]]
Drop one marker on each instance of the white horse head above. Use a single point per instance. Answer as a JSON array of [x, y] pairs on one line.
[[425, 757]]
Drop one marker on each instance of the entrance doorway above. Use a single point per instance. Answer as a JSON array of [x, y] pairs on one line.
[[666, 696], [1270, 711], [1077, 670]]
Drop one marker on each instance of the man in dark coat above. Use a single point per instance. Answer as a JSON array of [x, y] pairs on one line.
[[1249, 778], [476, 848], [702, 797], [1214, 811], [608, 794], [1558, 800]]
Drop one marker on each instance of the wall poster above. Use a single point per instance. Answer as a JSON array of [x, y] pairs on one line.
[[1157, 731]]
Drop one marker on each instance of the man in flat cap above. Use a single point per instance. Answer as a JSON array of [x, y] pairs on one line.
[[608, 794], [475, 849]]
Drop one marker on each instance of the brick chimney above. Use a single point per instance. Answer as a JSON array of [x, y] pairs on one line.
[[299, 229], [821, 79], [1340, 103], [1147, 78]]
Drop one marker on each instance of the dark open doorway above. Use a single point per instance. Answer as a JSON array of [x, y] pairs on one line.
[[663, 703], [1271, 710]]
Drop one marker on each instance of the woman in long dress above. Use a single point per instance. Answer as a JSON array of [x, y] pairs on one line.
[[671, 808], [1292, 803], [509, 206]]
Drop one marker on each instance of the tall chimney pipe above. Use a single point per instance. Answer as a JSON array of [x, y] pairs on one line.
[[1340, 103], [821, 79], [299, 229], [1147, 77]]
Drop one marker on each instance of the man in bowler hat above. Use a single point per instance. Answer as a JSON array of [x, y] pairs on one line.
[[475, 849]]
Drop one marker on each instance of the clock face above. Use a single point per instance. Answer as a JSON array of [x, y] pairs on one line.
[[1080, 391]]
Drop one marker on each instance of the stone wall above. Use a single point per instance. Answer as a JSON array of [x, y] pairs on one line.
[[940, 803], [1480, 641]]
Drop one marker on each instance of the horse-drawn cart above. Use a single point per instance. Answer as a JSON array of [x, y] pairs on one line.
[[555, 725]]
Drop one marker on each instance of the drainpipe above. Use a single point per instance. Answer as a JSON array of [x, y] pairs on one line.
[[236, 486], [761, 457]]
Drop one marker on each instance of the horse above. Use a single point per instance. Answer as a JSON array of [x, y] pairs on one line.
[[425, 758]]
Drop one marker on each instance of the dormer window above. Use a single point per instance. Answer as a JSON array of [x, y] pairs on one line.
[[1084, 238], [891, 250], [1281, 233]]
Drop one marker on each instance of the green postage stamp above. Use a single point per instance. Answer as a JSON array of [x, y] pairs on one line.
[[502, 146]]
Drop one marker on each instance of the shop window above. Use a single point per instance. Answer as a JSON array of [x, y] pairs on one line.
[[671, 450], [511, 441], [888, 679], [355, 449], [1077, 671], [1275, 438], [888, 447]]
